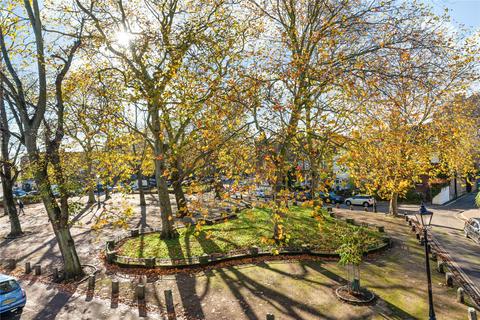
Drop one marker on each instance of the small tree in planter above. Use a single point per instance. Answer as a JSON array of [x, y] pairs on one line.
[[354, 245]]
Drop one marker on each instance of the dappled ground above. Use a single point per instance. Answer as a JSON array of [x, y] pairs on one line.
[[290, 290], [251, 228]]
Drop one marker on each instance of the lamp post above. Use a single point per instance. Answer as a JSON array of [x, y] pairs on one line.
[[424, 217]]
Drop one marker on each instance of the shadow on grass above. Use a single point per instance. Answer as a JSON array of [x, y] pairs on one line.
[[186, 284], [389, 311]]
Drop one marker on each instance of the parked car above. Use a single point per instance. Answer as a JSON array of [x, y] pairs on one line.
[[33, 193], [12, 296], [472, 229], [303, 195], [332, 197], [19, 193], [152, 182], [360, 200], [145, 185]]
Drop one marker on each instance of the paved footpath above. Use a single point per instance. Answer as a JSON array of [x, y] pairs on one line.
[[45, 303]]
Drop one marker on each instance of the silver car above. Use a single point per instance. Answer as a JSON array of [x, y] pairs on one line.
[[472, 229]]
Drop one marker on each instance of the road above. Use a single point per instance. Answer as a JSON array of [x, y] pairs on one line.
[[448, 222]]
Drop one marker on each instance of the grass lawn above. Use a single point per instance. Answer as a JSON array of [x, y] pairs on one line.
[[252, 228]]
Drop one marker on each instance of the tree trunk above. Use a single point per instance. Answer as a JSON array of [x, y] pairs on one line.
[[7, 177], [141, 192], [219, 189], [394, 204], [177, 178], [91, 190], [168, 230], [71, 262], [58, 219], [91, 196], [180, 198], [107, 191], [10, 208]]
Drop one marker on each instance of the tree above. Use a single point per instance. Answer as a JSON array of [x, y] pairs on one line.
[[8, 171], [354, 245], [161, 43], [409, 117], [50, 60]]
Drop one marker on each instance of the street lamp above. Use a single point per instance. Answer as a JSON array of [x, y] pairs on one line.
[[424, 217]]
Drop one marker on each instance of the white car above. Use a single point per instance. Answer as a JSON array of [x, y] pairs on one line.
[[360, 200]]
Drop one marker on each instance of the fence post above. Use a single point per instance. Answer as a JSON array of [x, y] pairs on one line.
[[38, 269], [141, 292], [440, 266], [449, 279], [169, 302], [472, 314], [91, 282], [115, 287], [460, 295]]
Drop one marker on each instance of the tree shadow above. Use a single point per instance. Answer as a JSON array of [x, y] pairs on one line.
[[54, 306], [389, 311], [143, 218], [186, 284], [275, 299], [87, 208]]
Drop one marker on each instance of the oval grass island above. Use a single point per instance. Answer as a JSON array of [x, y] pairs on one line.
[[248, 235]]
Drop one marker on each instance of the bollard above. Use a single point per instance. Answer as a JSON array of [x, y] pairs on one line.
[[417, 235], [28, 267], [410, 223], [55, 274], [440, 266], [141, 292], [204, 258], [351, 207], [449, 279], [115, 287], [434, 256], [91, 282], [366, 209], [381, 229], [270, 316], [460, 295], [254, 250], [472, 314], [38, 269], [169, 302], [143, 280], [150, 262], [406, 218]]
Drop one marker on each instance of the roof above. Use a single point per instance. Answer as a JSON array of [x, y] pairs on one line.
[[4, 277]]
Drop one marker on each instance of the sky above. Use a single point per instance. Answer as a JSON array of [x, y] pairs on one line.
[[465, 12]]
